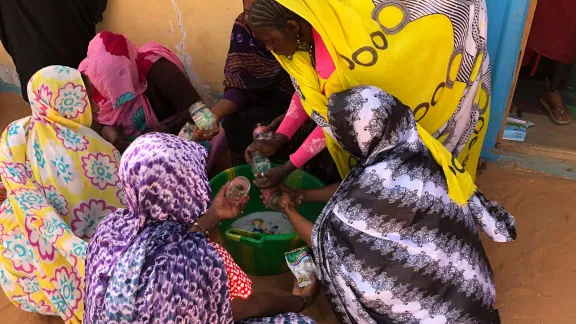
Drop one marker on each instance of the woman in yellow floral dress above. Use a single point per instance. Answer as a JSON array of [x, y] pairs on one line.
[[61, 181]]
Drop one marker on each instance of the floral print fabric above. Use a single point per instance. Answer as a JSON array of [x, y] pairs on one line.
[[61, 181], [144, 265], [315, 143], [118, 70], [239, 283]]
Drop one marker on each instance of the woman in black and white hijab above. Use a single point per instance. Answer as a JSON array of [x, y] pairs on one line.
[[392, 244]]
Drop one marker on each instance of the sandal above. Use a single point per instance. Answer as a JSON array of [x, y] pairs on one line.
[[550, 109]]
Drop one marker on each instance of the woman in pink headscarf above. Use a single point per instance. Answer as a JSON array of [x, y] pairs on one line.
[[139, 90]]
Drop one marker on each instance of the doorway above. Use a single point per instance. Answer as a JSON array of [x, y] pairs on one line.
[[527, 127]]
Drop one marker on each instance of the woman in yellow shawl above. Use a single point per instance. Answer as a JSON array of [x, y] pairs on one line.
[[61, 181], [429, 54]]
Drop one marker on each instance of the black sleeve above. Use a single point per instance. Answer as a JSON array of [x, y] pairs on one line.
[[3, 38], [169, 90], [95, 9]]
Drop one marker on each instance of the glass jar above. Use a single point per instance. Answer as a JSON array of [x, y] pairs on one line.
[[202, 116]]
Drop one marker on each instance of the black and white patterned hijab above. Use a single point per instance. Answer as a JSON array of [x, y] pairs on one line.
[[391, 235], [366, 121], [381, 132]]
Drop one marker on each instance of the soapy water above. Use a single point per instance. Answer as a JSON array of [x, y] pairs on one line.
[[267, 222]]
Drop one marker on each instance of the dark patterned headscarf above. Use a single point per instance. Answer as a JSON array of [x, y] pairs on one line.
[[391, 246], [250, 66], [144, 265]]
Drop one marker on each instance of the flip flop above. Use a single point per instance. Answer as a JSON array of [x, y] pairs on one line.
[[549, 108]]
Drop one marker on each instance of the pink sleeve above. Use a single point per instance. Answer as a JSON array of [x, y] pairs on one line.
[[295, 117], [314, 144]]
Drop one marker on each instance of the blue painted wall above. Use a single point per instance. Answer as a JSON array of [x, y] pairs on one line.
[[506, 20]]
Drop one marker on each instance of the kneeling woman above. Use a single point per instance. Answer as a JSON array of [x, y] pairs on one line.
[[398, 240], [61, 181], [153, 262], [139, 90]]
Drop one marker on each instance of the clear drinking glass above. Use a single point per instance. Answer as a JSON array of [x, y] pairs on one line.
[[274, 200], [270, 198], [238, 190]]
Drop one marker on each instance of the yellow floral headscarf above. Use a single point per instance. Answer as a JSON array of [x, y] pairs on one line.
[[61, 181]]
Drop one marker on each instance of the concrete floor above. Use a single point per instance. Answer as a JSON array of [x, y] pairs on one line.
[[547, 133]]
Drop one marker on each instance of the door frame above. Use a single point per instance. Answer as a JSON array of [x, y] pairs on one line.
[[527, 29], [509, 23]]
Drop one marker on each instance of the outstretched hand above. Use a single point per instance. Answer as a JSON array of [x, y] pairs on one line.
[[267, 147], [207, 135], [290, 196], [274, 124], [309, 292], [248, 152], [223, 209], [270, 178]]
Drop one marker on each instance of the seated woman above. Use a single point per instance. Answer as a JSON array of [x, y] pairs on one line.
[[153, 262], [398, 240], [139, 90], [431, 56], [61, 180]]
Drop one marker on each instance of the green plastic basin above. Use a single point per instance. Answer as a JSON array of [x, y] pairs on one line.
[[263, 254]]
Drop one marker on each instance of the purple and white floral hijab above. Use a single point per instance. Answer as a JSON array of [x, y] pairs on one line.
[[143, 264]]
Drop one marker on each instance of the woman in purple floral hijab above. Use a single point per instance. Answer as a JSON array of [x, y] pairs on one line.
[[152, 263]]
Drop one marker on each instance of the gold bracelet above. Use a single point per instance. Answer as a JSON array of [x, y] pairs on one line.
[[286, 206]]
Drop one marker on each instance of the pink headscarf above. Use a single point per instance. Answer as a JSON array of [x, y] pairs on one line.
[[118, 69]]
